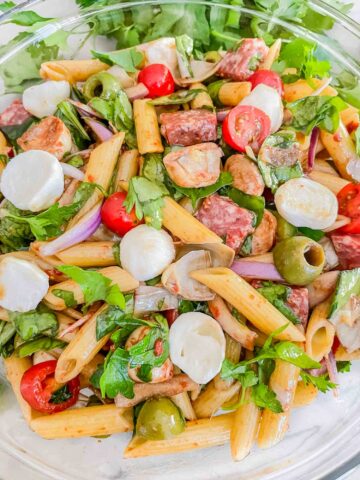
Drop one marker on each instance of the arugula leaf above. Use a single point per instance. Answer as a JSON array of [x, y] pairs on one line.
[[29, 325], [343, 366], [184, 49], [129, 59], [264, 397], [348, 87], [69, 115], [43, 343], [178, 98], [115, 378], [322, 382], [65, 295], [311, 233], [61, 395], [94, 286], [147, 198], [323, 111], [251, 202], [4, 6], [278, 295], [28, 18], [114, 317]]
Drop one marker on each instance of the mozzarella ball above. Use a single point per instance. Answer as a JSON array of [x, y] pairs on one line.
[[22, 285], [145, 252], [305, 203], [32, 180], [269, 101], [42, 100], [197, 346]]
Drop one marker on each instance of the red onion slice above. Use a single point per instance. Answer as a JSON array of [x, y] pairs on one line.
[[256, 270], [77, 234], [315, 134], [85, 110], [138, 91], [222, 114], [330, 363], [102, 132], [72, 172]]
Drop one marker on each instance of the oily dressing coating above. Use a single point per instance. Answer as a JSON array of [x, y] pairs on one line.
[[195, 166], [246, 175]]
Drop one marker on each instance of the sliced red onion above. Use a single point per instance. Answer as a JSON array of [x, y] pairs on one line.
[[256, 270], [72, 172], [102, 132], [330, 363], [84, 110], [138, 91], [222, 114], [315, 134], [77, 234], [83, 153]]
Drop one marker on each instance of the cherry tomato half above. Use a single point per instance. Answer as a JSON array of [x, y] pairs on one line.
[[269, 78], [158, 79], [246, 126], [38, 386], [349, 205], [115, 217]]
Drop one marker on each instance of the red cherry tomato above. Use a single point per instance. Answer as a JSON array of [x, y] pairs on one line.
[[158, 79], [171, 316], [349, 205], [246, 126], [38, 386], [115, 217], [269, 78]]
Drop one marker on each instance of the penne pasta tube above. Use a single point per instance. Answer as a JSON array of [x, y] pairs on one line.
[[203, 99], [322, 287], [231, 93], [260, 339], [84, 422], [80, 351], [15, 368], [320, 333], [324, 167], [71, 70], [305, 394], [201, 433], [64, 322], [128, 167], [71, 312], [211, 399], [89, 254], [147, 127], [350, 117], [182, 401], [302, 88], [89, 369], [283, 382], [341, 148], [342, 354], [238, 331], [232, 353], [118, 276], [261, 313], [99, 170], [273, 54], [335, 184], [244, 428]]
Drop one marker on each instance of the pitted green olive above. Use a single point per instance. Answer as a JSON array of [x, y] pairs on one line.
[[159, 419], [299, 260], [102, 85]]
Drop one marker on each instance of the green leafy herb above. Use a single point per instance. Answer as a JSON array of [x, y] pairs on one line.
[[246, 247], [43, 343], [243, 373], [348, 87], [13, 132], [189, 306], [76, 161], [115, 378], [348, 284], [357, 140], [61, 395], [153, 168], [184, 48], [68, 114], [276, 176], [278, 295], [251, 202], [95, 377], [343, 366], [322, 382], [65, 295], [29, 325], [114, 317], [214, 89], [28, 18], [14, 235], [7, 331], [4, 6], [94, 286], [311, 233], [153, 281], [264, 397], [129, 59], [178, 98]]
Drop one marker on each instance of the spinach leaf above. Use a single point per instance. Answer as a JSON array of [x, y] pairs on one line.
[[69, 115], [30, 325], [276, 176], [322, 382], [95, 377], [264, 397], [61, 395], [65, 295], [94, 286], [115, 378], [43, 343], [130, 60], [348, 284], [251, 202], [278, 295], [178, 98]]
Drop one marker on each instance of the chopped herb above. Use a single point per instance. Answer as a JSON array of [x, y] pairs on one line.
[[69, 115], [61, 395], [43, 343], [178, 98], [65, 295], [343, 366], [130, 60], [29, 325], [322, 382], [278, 296]]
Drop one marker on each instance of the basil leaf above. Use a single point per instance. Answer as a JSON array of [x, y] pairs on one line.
[[115, 378], [29, 325], [278, 295], [189, 306], [311, 233], [114, 317], [184, 49], [322, 382], [95, 377], [153, 168], [65, 295], [43, 343], [264, 397], [69, 115], [348, 87], [129, 59], [61, 395]]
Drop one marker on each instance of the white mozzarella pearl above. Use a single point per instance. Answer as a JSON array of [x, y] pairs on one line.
[[197, 346], [305, 203], [269, 101], [145, 252], [22, 285], [32, 180], [42, 100]]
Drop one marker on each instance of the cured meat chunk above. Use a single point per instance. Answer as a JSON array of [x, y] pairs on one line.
[[226, 219], [189, 127], [14, 114], [347, 248], [241, 64]]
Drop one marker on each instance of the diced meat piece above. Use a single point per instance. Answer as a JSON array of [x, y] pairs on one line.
[[189, 127], [246, 175], [226, 219], [280, 156], [51, 135], [195, 166], [14, 114], [347, 248], [241, 64], [264, 236]]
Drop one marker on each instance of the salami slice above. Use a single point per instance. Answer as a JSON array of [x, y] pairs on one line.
[[189, 127], [226, 219], [241, 64], [347, 248], [14, 114]]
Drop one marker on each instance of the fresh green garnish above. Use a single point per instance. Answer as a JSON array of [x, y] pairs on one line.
[[322, 382], [184, 47], [65, 295], [39, 344], [348, 87], [114, 317], [251, 202], [68, 114], [177, 98], [30, 325], [61, 395], [276, 176], [28, 18], [130, 60], [348, 284], [278, 296]]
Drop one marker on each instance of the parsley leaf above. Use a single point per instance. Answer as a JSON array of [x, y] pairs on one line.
[[65, 295], [278, 295], [94, 286], [115, 378], [4, 6], [264, 397], [321, 382], [343, 366], [129, 59], [29, 325], [243, 373]]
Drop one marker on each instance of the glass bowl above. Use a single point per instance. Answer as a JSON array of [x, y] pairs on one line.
[[324, 439]]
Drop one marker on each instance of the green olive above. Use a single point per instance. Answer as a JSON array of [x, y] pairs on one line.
[[102, 85], [212, 56], [159, 419], [284, 229], [299, 260]]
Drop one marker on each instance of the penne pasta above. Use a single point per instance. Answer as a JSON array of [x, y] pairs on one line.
[[324, 167], [147, 127], [231, 93], [89, 369], [273, 54], [71, 70], [201, 433], [342, 354], [89, 254], [211, 399], [305, 394], [350, 117], [203, 99], [84, 422], [64, 322], [335, 184], [118, 276], [183, 402], [128, 168], [302, 88], [232, 353], [320, 333], [248, 301]]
